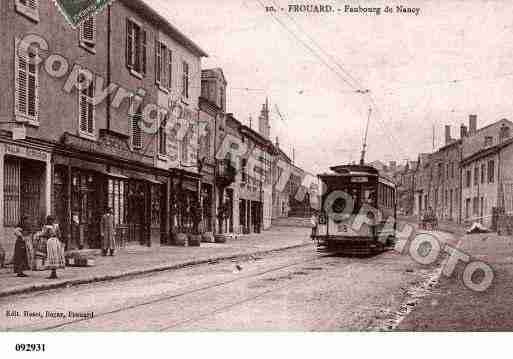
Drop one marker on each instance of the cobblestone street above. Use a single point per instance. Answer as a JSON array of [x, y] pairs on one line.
[[293, 289]]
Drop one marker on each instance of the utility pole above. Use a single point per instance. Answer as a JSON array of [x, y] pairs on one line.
[[364, 147]]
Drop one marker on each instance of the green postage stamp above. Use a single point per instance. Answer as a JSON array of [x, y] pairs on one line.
[[76, 11]]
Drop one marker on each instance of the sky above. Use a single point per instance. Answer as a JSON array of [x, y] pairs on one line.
[[418, 73]]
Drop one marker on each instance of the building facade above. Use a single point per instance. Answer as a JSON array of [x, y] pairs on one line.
[[75, 134], [487, 173]]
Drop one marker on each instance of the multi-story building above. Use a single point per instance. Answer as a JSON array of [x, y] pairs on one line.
[[487, 172], [76, 136], [212, 105], [422, 184]]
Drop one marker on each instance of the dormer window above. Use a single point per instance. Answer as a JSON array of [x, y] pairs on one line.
[[488, 141], [505, 133]]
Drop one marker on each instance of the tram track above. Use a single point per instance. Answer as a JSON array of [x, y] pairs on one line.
[[171, 297], [228, 307]]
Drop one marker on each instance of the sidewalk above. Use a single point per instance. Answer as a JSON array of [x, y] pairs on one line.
[[454, 307], [140, 260]]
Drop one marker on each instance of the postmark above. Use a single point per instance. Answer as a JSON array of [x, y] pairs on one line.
[[76, 11]]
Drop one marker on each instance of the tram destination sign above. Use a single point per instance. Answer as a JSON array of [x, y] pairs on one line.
[[360, 179]]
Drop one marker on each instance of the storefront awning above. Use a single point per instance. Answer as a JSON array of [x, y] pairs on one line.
[[114, 175]]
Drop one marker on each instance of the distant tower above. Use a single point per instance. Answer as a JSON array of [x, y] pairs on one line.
[[264, 125]]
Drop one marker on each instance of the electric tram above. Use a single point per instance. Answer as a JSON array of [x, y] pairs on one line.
[[358, 211]]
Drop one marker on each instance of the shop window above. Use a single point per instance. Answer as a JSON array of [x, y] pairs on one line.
[[136, 48], [118, 200], [26, 84], [12, 193], [87, 33], [155, 204], [22, 192]]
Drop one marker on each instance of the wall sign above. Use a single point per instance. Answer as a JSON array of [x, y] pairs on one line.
[[26, 152]]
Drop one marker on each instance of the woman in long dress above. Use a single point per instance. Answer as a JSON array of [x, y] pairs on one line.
[[20, 260], [54, 248]]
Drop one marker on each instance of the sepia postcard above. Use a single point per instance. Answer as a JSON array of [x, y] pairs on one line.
[[255, 166]]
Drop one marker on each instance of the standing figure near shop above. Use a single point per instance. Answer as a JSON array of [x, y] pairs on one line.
[[54, 247], [21, 258], [108, 232]]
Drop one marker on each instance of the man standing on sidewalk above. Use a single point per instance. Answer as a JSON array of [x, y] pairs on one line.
[[108, 232]]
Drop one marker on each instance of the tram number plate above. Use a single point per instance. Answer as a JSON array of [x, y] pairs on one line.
[[343, 228]]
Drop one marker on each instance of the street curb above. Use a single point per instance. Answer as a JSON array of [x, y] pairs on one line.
[[161, 268]]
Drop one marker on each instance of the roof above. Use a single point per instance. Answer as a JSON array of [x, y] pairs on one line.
[[159, 21], [215, 72], [486, 152]]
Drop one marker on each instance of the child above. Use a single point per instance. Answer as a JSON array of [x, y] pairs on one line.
[[54, 247]]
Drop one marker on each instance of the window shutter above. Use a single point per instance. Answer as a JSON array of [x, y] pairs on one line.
[[33, 93], [86, 109], [158, 62], [129, 44], [163, 66], [32, 4], [83, 111], [136, 117], [21, 79], [88, 31], [26, 83], [170, 70], [143, 50]]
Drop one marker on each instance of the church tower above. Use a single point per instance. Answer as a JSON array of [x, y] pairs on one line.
[[264, 125]]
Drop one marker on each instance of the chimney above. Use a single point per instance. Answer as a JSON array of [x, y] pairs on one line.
[[277, 142], [472, 124], [447, 134], [463, 131], [392, 165]]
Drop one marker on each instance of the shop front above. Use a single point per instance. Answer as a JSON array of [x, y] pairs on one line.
[[85, 184], [185, 202], [26, 187]]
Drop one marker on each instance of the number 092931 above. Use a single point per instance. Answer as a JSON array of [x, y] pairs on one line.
[[30, 347]]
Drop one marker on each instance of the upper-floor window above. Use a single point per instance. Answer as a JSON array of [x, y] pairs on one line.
[[86, 105], [161, 64], [483, 173], [185, 80], [162, 144], [169, 69], [488, 141], [468, 178], [491, 171], [476, 175], [29, 8], [26, 83], [222, 97], [504, 133], [136, 56], [135, 117], [448, 170], [87, 33]]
